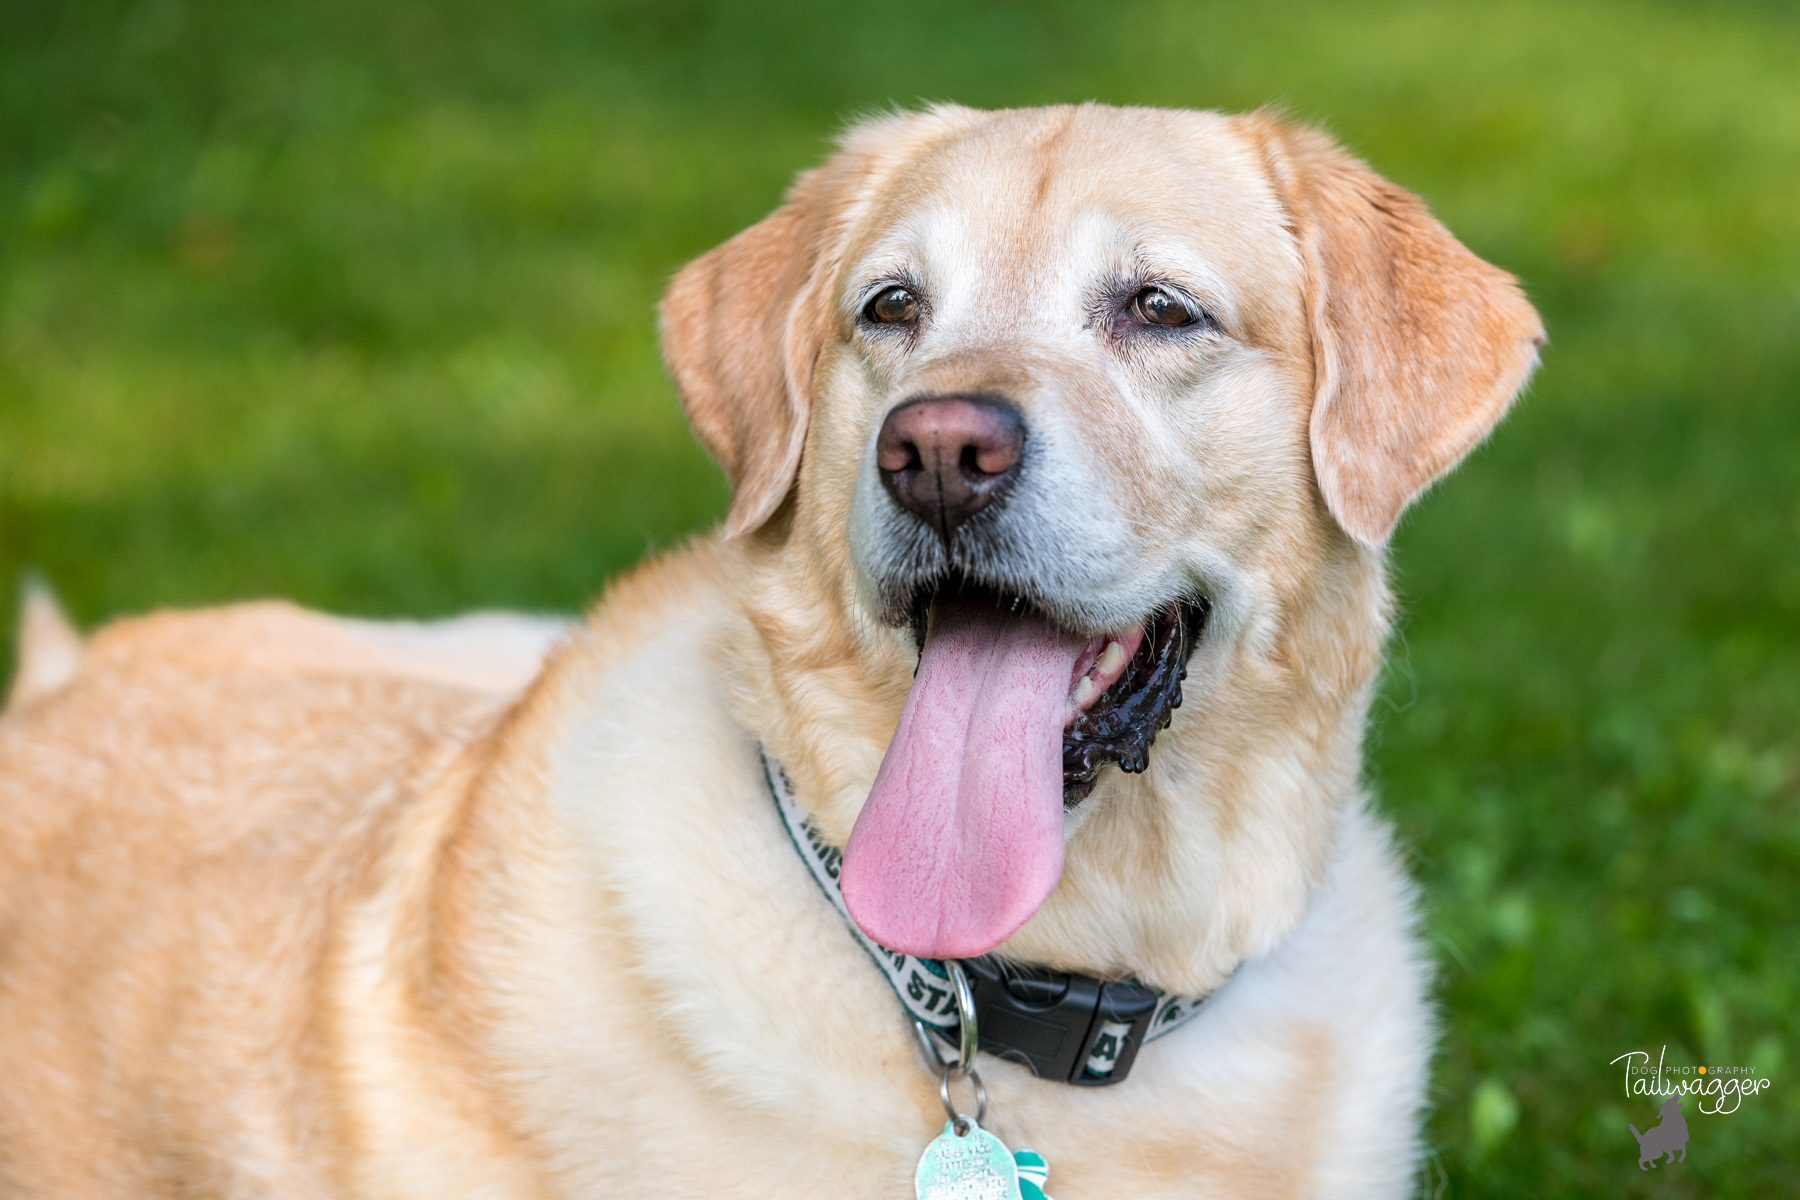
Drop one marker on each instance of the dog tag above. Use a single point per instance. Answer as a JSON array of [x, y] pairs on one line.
[[972, 1166]]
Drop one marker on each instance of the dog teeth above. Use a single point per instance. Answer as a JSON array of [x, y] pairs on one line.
[[1084, 691], [1111, 659]]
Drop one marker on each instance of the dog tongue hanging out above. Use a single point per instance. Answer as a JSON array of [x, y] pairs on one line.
[[962, 836]]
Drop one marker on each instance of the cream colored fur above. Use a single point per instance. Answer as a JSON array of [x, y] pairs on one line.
[[297, 906]]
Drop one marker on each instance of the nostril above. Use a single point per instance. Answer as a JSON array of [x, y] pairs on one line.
[[896, 455], [993, 456]]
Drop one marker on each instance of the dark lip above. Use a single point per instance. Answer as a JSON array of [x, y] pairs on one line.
[[1121, 725]]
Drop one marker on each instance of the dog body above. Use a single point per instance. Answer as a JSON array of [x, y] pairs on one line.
[[298, 906]]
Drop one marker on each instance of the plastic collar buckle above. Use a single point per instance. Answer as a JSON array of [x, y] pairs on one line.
[[1071, 1028]]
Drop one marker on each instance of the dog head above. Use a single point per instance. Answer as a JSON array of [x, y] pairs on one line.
[[1067, 402]]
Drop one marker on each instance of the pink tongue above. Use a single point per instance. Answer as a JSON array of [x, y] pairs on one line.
[[962, 836]]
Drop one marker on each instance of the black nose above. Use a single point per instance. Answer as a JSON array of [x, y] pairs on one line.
[[945, 458]]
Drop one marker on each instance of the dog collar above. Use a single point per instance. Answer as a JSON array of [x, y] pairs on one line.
[[1063, 1026]]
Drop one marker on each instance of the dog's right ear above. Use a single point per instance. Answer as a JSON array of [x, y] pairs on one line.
[[741, 336], [743, 326]]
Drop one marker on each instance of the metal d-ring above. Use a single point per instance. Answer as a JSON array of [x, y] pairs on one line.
[[965, 1015], [969, 1035]]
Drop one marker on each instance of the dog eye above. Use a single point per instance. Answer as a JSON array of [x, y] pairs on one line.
[[1154, 306], [892, 306]]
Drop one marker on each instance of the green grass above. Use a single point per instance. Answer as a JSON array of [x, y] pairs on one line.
[[352, 302]]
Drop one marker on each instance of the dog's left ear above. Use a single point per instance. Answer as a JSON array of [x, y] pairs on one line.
[[1418, 345]]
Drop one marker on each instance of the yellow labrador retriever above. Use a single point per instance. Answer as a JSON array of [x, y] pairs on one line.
[[1021, 694]]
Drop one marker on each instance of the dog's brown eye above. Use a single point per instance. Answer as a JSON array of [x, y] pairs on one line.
[[1156, 307], [892, 306]]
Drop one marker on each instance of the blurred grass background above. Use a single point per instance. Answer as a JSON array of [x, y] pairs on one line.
[[351, 301]]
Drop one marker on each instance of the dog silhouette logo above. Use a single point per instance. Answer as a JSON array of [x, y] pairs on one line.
[[1665, 1138]]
